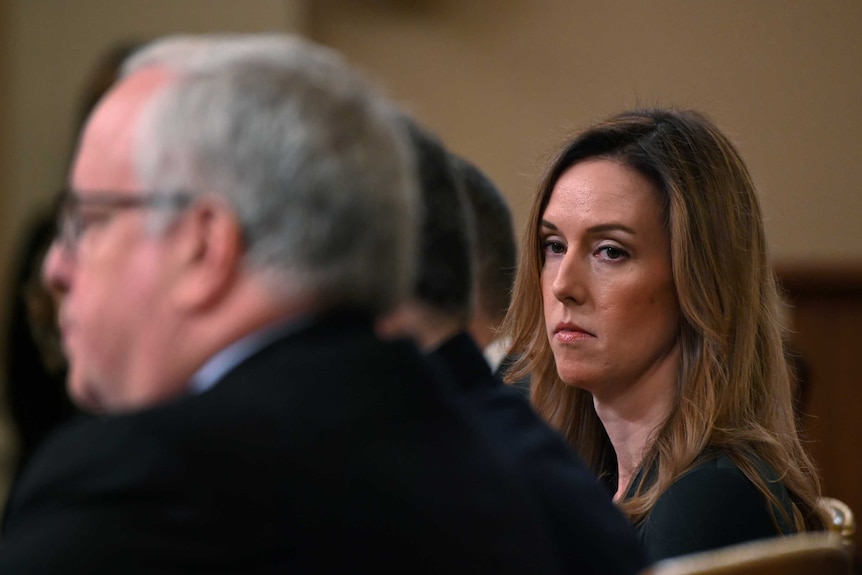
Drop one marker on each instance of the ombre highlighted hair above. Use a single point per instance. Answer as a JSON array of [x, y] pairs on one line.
[[735, 388]]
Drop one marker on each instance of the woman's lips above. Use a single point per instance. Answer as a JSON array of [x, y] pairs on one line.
[[568, 333], [571, 336]]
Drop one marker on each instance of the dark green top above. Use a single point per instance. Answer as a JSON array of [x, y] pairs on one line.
[[712, 505]]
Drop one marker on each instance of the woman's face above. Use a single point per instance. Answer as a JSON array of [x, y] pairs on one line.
[[611, 311]]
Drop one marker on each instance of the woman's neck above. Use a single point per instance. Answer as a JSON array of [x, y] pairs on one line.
[[632, 418]]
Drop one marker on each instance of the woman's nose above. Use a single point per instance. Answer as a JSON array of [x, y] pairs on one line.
[[570, 282]]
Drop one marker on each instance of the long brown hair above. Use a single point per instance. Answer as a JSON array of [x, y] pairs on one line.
[[735, 387]]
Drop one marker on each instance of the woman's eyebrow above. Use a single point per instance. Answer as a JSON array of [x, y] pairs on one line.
[[612, 227], [597, 228]]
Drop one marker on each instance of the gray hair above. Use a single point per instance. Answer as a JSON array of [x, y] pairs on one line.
[[309, 155]]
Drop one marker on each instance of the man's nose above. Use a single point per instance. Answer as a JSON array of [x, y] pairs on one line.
[[57, 268]]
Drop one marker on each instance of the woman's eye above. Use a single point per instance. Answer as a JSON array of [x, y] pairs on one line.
[[554, 247], [613, 252]]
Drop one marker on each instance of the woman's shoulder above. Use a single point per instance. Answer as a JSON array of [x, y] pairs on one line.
[[723, 469], [711, 505], [720, 474], [713, 479], [721, 466], [714, 461]]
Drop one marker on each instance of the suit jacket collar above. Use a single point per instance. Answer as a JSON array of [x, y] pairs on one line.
[[464, 360]]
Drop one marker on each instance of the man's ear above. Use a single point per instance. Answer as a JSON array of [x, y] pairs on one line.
[[210, 250]]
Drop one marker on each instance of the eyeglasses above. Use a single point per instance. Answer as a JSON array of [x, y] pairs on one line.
[[77, 213]]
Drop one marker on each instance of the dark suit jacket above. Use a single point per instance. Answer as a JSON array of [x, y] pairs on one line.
[[591, 534], [328, 451]]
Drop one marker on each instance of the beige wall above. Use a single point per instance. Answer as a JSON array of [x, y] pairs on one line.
[[50, 46], [503, 82]]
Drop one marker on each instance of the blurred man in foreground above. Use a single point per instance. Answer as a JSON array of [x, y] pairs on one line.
[[241, 211]]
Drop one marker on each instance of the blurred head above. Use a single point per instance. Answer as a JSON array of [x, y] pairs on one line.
[[495, 250], [732, 379], [440, 305], [224, 183]]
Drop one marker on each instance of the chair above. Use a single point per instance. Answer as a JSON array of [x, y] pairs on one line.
[[811, 553], [843, 521]]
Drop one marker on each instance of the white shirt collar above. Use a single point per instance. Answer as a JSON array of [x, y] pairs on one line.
[[228, 358], [496, 351]]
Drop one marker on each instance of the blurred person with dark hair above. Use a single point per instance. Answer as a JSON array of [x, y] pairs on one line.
[[35, 386], [590, 533], [495, 252], [36, 378]]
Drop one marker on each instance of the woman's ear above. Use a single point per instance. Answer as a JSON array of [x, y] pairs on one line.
[[210, 251]]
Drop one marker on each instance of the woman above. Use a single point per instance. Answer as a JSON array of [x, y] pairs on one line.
[[651, 323]]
